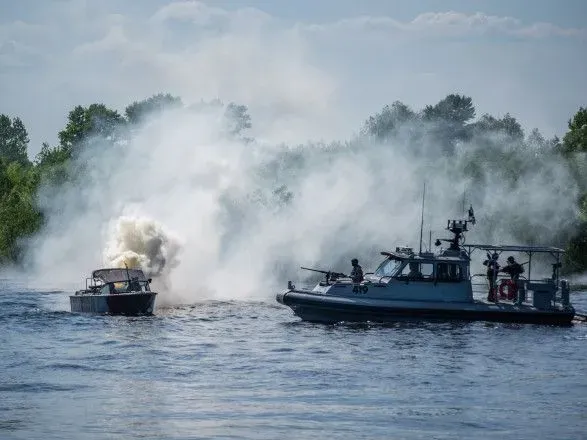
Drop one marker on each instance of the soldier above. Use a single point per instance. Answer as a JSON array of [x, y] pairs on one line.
[[492, 270], [414, 271], [357, 272], [514, 269]]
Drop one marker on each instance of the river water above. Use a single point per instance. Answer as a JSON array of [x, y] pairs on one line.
[[252, 370]]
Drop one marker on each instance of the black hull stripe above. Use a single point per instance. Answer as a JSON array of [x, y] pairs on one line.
[[316, 310], [135, 304]]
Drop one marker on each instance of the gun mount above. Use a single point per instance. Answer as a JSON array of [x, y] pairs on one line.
[[329, 275], [458, 228]]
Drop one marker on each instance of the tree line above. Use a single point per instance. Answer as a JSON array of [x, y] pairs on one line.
[[443, 129]]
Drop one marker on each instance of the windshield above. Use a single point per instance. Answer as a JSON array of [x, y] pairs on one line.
[[135, 286], [387, 268]]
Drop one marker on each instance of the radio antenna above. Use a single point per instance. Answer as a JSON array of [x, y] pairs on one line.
[[422, 221]]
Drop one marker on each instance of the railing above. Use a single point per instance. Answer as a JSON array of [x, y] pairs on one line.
[[559, 294]]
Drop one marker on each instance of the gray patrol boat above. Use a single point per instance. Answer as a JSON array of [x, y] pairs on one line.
[[437, 286], [115, 292]]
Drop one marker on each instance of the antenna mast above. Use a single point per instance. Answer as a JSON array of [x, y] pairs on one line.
[[422, 221]]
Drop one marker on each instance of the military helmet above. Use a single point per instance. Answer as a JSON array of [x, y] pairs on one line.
[[354, 261], [511, 259]]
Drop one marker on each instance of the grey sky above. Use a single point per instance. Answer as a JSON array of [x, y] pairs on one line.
[[305, 68]]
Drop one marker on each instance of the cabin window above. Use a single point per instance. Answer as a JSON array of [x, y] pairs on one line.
[[387, 268], [449, 272], [427, 270], [417, 271], [120, 287], [135, 286]]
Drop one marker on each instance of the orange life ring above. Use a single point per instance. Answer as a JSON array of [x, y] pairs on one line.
[[512, 289]]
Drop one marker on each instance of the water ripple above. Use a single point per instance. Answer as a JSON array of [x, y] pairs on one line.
[[237, 369]]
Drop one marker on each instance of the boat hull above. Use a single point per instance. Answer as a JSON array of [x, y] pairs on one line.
[[140, 303], [331, 309]]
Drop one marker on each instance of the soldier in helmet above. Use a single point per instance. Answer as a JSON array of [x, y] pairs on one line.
[[414, 271], [492, 270], [357, 272], [513, 268]]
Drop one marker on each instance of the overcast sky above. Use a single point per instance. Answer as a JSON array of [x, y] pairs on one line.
[[306, 69]]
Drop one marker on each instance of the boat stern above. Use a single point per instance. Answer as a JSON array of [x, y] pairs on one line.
[[132, 304]]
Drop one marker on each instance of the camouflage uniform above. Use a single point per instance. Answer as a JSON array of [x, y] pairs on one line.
[[492, 270], [357, 272], [514, 269]]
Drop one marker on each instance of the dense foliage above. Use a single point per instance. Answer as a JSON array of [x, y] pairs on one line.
[[449, 126]]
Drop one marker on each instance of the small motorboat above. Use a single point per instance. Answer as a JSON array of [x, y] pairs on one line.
[[437, 286], [116, 292]]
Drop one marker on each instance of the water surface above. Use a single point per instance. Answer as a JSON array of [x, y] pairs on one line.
[[252, 370]]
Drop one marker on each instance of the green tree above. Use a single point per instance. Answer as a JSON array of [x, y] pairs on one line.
[[573, 147], [458, 109], [19, 216], [575, 140], [507, 126], [84, 122], [48, 156], [138, 110], [575, 259], [14, 140], [536, 140], [389, 120], [448, 119], [53, 164], [237, 118], [540, 145]]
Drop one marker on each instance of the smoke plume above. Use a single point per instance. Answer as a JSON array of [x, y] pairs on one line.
[[208, 215], [142, 243]]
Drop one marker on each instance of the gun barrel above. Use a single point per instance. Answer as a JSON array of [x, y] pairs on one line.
[[314, 270], [326, 272]]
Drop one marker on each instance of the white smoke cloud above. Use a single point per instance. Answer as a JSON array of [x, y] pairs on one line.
[[231, 219], [143, 243]]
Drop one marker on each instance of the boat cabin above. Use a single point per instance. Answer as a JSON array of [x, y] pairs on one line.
[[116, 281], [451, 268], [403, 264]]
